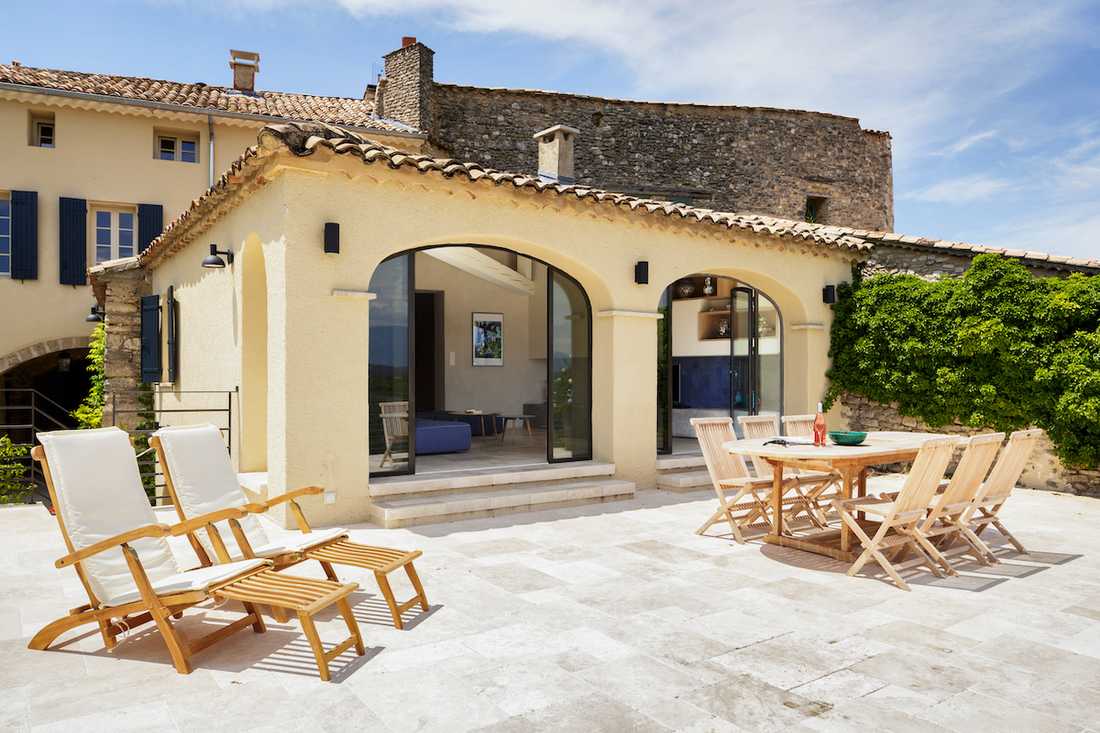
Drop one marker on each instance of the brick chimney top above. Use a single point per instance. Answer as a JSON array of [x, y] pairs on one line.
[[245, 65], [556, 153], [407, 41]]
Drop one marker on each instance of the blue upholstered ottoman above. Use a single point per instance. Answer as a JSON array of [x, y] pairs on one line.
[[441, 436]]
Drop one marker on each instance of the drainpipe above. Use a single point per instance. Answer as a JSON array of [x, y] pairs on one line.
[[210, 155]]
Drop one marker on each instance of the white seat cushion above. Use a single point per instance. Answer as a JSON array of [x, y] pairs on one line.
[[204, 482], [100, 495], [199, 579], [299, 542]]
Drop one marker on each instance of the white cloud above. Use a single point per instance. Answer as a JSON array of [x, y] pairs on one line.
[[962, 190], [968, 142]]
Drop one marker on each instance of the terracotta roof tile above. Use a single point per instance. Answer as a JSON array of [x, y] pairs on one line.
[[303, 139], [198, 96]]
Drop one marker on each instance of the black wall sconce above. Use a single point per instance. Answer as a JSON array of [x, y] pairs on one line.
[[828, 294], [641, 272], [332, 238], [95, 314], [213, 262]]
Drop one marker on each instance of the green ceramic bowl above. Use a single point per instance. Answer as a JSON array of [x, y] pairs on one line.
[[842, 437]]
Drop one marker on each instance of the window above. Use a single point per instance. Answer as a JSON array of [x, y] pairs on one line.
[[175, 147], [41, 130], [114, 234], [815, 209], [5, 235]]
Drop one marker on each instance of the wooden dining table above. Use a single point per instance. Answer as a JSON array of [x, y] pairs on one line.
[[850, 463]]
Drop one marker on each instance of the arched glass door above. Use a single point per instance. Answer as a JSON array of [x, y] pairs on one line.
[[719, 353]]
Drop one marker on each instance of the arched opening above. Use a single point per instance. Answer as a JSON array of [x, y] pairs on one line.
[[39, 392], [253, 444], [719, 353], [479, 356]]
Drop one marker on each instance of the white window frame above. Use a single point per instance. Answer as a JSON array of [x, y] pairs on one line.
[[111, 236], [5, 239], [38, 125], [177, 143]]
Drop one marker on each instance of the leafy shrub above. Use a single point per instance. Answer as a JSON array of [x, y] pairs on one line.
[[997, 347], [90, 412], [14, 487]]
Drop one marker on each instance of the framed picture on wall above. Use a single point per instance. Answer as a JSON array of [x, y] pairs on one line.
[[488, 339]]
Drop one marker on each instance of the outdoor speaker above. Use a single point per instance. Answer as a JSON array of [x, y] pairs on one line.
[[641, 272], [828, 294], [332, 238]]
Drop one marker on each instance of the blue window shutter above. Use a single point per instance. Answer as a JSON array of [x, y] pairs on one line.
[[24, 235], [150, 224], [150, 338], [173, 333], [73, 240]]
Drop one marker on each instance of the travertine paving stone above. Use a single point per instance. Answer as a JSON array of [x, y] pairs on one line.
[[602, 618]]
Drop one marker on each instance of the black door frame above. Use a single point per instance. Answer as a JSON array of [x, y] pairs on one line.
[[753, 397], [411, 326], [438, 306]]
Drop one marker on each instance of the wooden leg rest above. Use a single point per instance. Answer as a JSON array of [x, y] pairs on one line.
[[381, 561], [304, 596]]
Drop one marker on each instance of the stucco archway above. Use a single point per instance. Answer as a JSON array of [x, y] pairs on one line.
[[20, 356]]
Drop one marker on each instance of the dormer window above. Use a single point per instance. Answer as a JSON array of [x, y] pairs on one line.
[[183, 148], [42, 131]]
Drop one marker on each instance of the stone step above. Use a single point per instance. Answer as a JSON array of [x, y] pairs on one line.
[[680, 461], [481, 479], [684, 481], [403, 511]]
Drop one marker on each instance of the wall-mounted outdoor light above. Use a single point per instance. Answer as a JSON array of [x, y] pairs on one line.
[[828, 294], [641, 272], [332, 238], [213, 262], [95, 314]]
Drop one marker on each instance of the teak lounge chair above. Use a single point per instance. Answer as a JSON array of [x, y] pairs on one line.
[[200, 478], [901, 517], [123, 560]]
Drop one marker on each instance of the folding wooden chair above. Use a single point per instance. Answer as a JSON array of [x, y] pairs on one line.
[[395, 427], [900, 518], [748, 504], [128, 571], [944, 521], [200, 478], [801, 426], [984, 510], [807, 485]]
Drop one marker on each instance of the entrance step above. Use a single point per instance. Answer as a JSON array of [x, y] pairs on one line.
[[450, 481], [683, 480], [678, 462], [486, 500]]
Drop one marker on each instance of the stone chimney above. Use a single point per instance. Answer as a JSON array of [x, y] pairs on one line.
[[409, 78], [556, 153], [245, 65]]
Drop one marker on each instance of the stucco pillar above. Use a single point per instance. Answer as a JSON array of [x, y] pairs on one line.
[[317, 390], [119, 288], [626, 394]]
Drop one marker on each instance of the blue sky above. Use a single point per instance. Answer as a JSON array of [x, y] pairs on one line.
[[994, 106]]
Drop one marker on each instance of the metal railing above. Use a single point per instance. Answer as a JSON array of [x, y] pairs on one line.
[[156, 409], [25, 412]]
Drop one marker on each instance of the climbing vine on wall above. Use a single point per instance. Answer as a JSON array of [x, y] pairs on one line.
[[997, 347], [89, 414]]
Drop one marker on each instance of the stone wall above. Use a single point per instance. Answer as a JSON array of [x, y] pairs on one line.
[[121, 297], [927, 261], [741, 159], [1044, 470]]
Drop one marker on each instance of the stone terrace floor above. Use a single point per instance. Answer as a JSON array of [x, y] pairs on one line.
[[607, 618]]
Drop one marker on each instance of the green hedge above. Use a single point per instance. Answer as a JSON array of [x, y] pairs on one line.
[[997, 347]]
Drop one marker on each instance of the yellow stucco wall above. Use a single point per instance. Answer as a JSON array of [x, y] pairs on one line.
[[316, 341], [103, 153]]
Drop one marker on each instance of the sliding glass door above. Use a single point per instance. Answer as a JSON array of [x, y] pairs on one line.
[[569, 367], [391, 399]]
